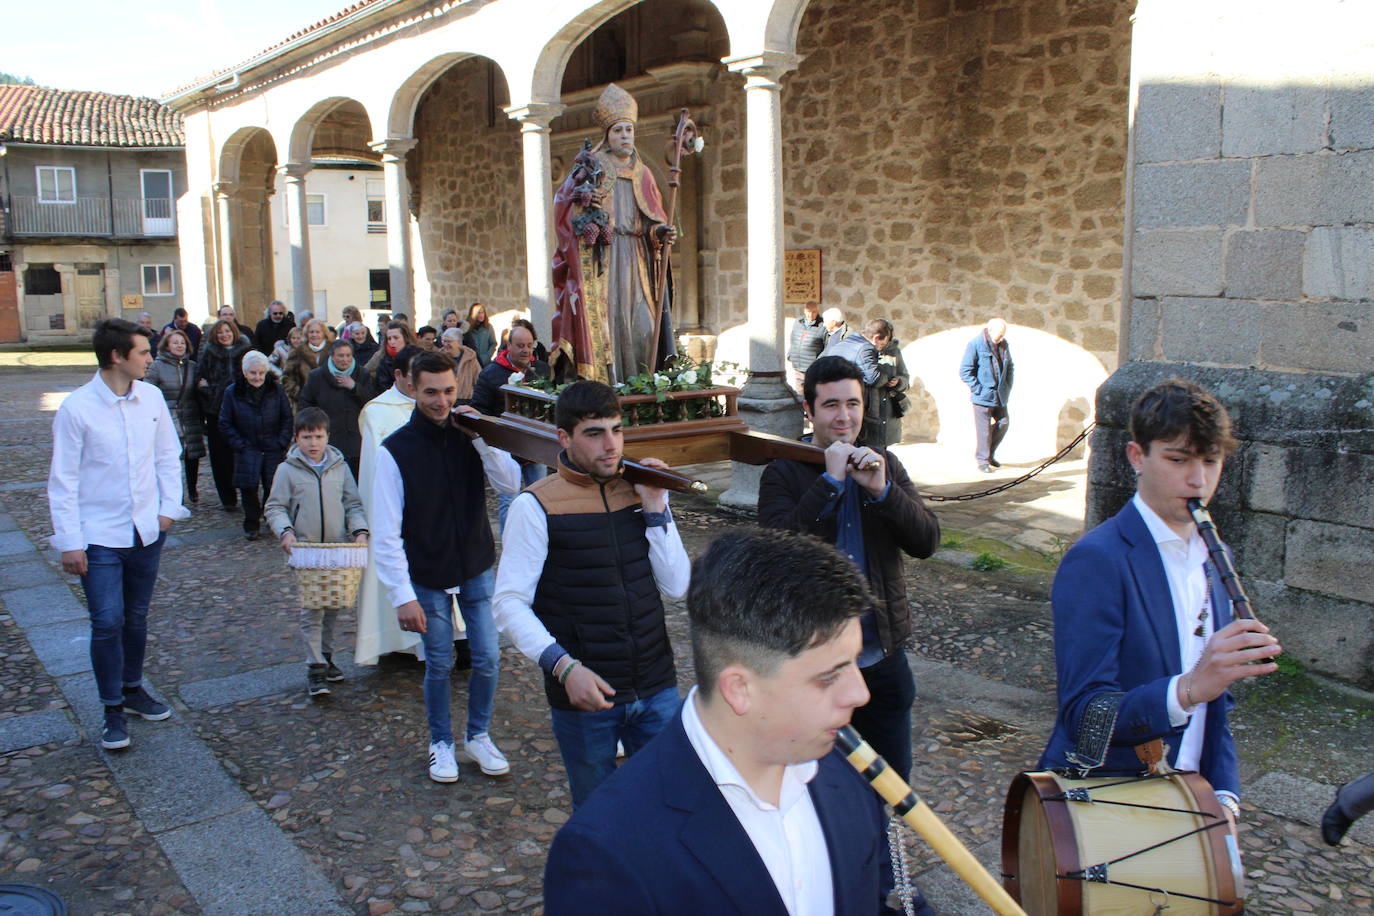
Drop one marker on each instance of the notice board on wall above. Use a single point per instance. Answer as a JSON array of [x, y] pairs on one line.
[[801, 275]]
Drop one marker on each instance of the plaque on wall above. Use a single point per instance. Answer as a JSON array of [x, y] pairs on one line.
[[57, 322], [133, 301], [801, 275]]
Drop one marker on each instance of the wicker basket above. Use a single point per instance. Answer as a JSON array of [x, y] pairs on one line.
[[328, 574]]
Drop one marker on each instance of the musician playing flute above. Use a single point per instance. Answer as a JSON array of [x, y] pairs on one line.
[[741, 807], [586, 558], [1140, 610]]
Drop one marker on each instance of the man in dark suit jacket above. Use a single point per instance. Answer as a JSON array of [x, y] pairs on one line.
[[1140, 612], [742, 806]]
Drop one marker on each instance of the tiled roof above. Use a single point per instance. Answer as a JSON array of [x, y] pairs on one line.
[[32, 114], [314, 26]]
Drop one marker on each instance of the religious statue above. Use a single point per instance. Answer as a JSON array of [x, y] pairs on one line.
[[610, 266]]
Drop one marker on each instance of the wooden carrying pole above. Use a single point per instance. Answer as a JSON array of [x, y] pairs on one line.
[[917, 813], [684, 133]]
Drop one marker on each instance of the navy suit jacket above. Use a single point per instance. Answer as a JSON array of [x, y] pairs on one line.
[[659, 838], [1114, 630]]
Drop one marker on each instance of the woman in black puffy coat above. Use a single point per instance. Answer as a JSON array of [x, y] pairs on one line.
[[174, 373], [219, 367], [256, 419]]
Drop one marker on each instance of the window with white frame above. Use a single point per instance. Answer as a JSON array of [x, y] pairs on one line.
[[56, 184], [376, 205], [158, 281], [314, 210]]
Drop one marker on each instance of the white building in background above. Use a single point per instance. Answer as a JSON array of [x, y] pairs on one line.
[[346, 213]]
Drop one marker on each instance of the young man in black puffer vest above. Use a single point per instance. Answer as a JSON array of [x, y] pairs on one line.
[[585, 556]]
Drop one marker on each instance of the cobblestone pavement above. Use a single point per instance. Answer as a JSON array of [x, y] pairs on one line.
[[342, 784]]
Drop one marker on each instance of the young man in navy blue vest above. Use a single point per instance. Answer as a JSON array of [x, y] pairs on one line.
[[432, 540], [585, 556]]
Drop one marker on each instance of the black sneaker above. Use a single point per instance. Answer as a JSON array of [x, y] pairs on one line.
[[994, 462], [316, 681], [331, 670], [115, 735], [138, 702]]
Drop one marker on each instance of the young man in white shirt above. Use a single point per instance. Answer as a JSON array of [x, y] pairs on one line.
[[1141, 620], [742, 804], [114, 489]]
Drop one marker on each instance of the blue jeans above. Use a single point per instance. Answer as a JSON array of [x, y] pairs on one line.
[[119, 585], [474, 602], [587, 739], [529, 473]]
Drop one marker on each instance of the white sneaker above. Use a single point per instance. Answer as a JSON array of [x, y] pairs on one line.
[[481, 751], [442, 766]]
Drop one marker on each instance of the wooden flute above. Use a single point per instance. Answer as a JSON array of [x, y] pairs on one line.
[[895, 791], [1240, 602]]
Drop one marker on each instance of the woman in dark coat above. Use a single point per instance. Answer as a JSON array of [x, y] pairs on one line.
[[174, 373], [883, 402], [220, 366], [340, 388], [480, 337], [382, 367], [364, 347], [256, 419]]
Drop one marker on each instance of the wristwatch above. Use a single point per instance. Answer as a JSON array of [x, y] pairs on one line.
[[1229, 802]]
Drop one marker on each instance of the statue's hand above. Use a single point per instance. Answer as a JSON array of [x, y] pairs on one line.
[[667, 235]]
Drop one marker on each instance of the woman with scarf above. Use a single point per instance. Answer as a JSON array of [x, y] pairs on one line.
[[174, 373], [364, 347], [382, 366], [221, 353], [340, 388], [256, 420], [305, 359]]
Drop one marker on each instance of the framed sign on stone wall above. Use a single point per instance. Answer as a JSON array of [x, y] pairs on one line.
[[801, 275]]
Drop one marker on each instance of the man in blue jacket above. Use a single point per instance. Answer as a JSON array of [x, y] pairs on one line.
[[987, 370], [1143, 628], [742, 805]]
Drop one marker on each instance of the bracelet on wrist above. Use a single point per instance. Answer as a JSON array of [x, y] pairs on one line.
[[563, 677]]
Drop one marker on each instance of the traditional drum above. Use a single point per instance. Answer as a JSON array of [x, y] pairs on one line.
[[1116, 846]]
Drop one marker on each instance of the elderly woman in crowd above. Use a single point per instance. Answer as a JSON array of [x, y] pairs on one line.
[[174, 373], [340, 388], [480, 337], [256, 420], [468, 366], [382, 366], [364, 347], [219, 367], [305, 359]]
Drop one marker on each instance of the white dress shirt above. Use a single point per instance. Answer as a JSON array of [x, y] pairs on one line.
[[388, 503], [116, 466], [525, 547], [787, 836]]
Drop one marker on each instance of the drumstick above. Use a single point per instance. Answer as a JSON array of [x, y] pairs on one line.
[[917, 813]]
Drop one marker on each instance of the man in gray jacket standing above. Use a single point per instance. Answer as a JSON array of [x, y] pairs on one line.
[[987, 370]]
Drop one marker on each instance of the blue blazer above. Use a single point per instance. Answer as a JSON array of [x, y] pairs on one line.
[[1114, 630], [659, 838]]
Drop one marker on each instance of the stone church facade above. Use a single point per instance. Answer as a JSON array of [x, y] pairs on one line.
[[1043, 160]]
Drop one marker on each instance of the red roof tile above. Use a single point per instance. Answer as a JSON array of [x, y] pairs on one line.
[[32, 114]]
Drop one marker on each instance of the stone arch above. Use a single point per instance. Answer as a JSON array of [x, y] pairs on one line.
[[341, 124], [400, 121], [1050, 374], [247, 171], [783, 25]]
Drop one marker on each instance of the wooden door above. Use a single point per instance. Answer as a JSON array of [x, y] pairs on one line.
[[90, 295], [9, 302]]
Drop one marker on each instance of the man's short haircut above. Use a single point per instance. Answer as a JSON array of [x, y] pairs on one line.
[[435, 361], [179, 313], [759, 597], [427, 329], [832, 315], [115, 335], [339, 344], [401, 317], [825, 370], [310, 418], [404, 357], [878, 327], [584, 400], [1180, 408], [526, 324]]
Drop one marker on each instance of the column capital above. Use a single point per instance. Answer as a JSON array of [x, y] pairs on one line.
[[763, 68], [295, 171], [394, 148], [225, 188], [535, 115]]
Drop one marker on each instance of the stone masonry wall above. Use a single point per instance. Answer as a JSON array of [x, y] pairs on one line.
[[954, 159]]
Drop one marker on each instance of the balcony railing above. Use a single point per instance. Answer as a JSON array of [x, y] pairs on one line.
[[120, 217]]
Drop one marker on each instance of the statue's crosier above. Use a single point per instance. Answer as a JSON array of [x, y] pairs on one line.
[[610, 224]]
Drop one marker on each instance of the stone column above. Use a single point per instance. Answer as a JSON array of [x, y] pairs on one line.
[[535, 119], [398, 249], [766, 403], [298, 236], [225, 227]]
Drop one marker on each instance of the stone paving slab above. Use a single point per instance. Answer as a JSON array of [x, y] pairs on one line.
[[63, 648], [7, 522], [43, 604], [1301, 799], [221, 691], [242, 863], [29, 485], [26, 573], [204, 536], [35, 728], [14, 542], [946, 892]]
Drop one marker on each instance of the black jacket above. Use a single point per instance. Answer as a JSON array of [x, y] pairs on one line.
[[792, 495], [267, 333], [486, 391], [343, 405]]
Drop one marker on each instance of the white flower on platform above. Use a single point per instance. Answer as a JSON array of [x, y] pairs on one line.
[[661, 380], [515, 378]]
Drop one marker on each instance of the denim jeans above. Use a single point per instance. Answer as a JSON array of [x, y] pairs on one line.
[[587, 739], [119, 585], [885, 721], [474, 602], [529, 473]]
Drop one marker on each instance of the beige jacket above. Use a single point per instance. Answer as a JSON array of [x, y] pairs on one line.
[[320, 507]]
